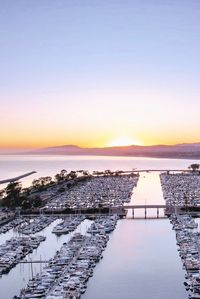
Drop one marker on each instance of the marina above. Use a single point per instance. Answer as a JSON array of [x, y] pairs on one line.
[[68, 272], [23, 272], [68, 224], [16, 249], [100, 149], [96, 192], [127, 254], [34, 225], [184, 190]]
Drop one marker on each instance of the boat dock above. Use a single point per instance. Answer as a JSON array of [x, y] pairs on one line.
[[34, 262]]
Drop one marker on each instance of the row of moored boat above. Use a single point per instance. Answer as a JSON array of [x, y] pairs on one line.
[[66, 275]]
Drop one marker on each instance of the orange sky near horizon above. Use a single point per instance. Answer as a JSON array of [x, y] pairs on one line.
[[26, 142], [98, 123]]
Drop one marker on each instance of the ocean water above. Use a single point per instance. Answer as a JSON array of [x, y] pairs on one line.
[[14, 165]]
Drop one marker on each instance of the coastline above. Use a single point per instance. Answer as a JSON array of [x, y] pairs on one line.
[[153, 156]]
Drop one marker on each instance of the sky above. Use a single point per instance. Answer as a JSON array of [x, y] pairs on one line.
[[99, 73]]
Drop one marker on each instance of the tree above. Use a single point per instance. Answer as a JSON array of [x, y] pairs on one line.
[[12, 195], [72, 175], [42, 183], [26, 191], [36, 183], [63, 173], [37, 201], [45, 181], [85, 172], [194, 166], [60, 177], [108, 172], [2, 192]]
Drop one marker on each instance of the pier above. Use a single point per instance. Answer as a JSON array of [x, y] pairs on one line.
[[145, 208], [121, 211], [168, 210], [156, 170], [118, 210], [17, 178]]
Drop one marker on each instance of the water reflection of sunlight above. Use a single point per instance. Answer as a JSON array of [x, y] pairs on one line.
[[148, 191]]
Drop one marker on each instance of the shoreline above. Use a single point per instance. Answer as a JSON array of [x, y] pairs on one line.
[[102, 155]]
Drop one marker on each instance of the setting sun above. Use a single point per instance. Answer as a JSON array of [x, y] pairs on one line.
[[123, 141]]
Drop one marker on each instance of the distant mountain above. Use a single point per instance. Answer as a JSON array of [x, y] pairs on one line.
[[182, 151], [56, 150]]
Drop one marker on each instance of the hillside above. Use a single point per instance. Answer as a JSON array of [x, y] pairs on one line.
[[184, 151]]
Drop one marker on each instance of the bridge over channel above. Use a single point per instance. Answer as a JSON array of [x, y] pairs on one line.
[[157, 170], [168, 210], [121, 211]]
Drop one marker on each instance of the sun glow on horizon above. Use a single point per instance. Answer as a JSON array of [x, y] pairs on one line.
[[123, 141]]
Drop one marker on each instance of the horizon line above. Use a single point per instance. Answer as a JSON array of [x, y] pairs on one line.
[[29, 148]]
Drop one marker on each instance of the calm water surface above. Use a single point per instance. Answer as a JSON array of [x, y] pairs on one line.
[[148, 191], [140, 261], [11, 166]]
